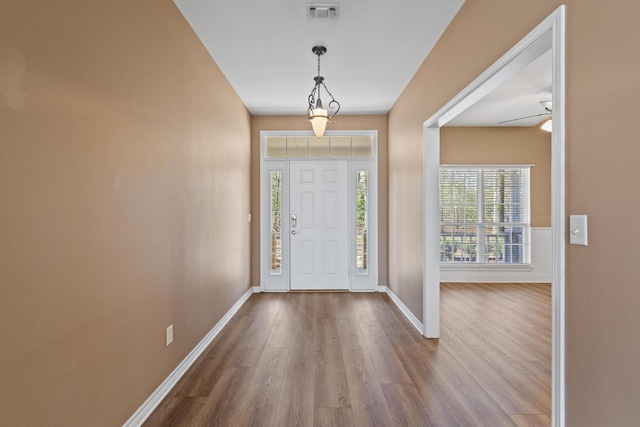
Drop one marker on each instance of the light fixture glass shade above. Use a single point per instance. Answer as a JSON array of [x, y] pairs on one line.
[[548, 126], [318, 119]]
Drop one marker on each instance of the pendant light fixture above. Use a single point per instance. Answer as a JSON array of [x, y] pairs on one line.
[[317, 114]]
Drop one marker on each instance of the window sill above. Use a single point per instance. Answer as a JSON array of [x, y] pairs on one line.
[[524, 268]]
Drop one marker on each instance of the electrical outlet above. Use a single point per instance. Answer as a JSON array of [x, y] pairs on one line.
[[169, 335]]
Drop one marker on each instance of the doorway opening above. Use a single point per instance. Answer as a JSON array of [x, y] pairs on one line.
[[550, 34]]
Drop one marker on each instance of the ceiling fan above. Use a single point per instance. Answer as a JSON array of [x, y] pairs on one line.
[[545, 104]]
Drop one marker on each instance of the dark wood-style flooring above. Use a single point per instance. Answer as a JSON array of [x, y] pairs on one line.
[[343, 359]]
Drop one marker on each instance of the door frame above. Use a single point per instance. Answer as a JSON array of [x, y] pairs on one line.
[[553, 28], [281, 283]]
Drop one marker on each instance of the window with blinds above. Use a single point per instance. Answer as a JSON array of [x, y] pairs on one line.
[[485, 214]]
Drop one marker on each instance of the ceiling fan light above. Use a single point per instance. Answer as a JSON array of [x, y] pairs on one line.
[[548, 126], [318, 118]]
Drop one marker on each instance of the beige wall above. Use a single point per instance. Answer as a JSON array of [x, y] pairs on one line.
[[277, 123], [124, 193], [505, 146], [603, 58]]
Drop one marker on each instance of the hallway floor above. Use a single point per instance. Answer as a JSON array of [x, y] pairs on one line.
[[341, 359]]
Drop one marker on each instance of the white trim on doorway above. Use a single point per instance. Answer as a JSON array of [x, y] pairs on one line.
[[551, 32]]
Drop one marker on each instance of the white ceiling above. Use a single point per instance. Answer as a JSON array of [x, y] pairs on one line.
[[520, 96], [264, 49], [374, 48]]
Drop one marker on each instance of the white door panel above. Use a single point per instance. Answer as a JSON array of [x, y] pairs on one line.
[[319, 214]]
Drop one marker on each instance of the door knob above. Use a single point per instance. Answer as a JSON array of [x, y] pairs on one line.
[[293, 231]]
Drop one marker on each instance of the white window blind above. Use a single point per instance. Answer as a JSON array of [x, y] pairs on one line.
[[485, 214]]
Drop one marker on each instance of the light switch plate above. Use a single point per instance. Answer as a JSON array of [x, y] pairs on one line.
[[169, 334], [578, 230]]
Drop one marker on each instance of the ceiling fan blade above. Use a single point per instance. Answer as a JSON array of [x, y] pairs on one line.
[[522, 118]]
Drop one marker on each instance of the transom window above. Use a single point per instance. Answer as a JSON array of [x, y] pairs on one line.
[[485, 214], [334, 146]]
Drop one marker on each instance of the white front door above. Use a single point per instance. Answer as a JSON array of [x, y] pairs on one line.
[[319, 224]]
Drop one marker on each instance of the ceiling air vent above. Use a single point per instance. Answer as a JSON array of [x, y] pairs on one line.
[[323, 11]]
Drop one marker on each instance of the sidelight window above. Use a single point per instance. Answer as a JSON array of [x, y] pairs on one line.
[[362, 213], [276, 222]]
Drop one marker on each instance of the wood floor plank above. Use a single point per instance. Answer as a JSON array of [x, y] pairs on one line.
[[176, 412], [440, 402], [248, 348], [388, 367], [321, 305], [539, 370], [345, 359], [203, 375], [220, 405], [367, 401], [384, 358], [528, 385], [531, 420], [348, 331], [306, 314], [511, 347], [523, 304], [372, 415], [406, 406], [201, 378], [345, 305], [510, 399], [471, 395], [487, 317], [331, 390], [363, 384], [333, 417], [385, 315], [284, 324], [539, 349], [258, 405], [297, 394], [345, 320], [478, 302]]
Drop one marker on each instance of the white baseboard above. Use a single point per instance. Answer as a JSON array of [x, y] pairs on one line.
[[256, 289], [403, 308], [161, 392], [382, 288]]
